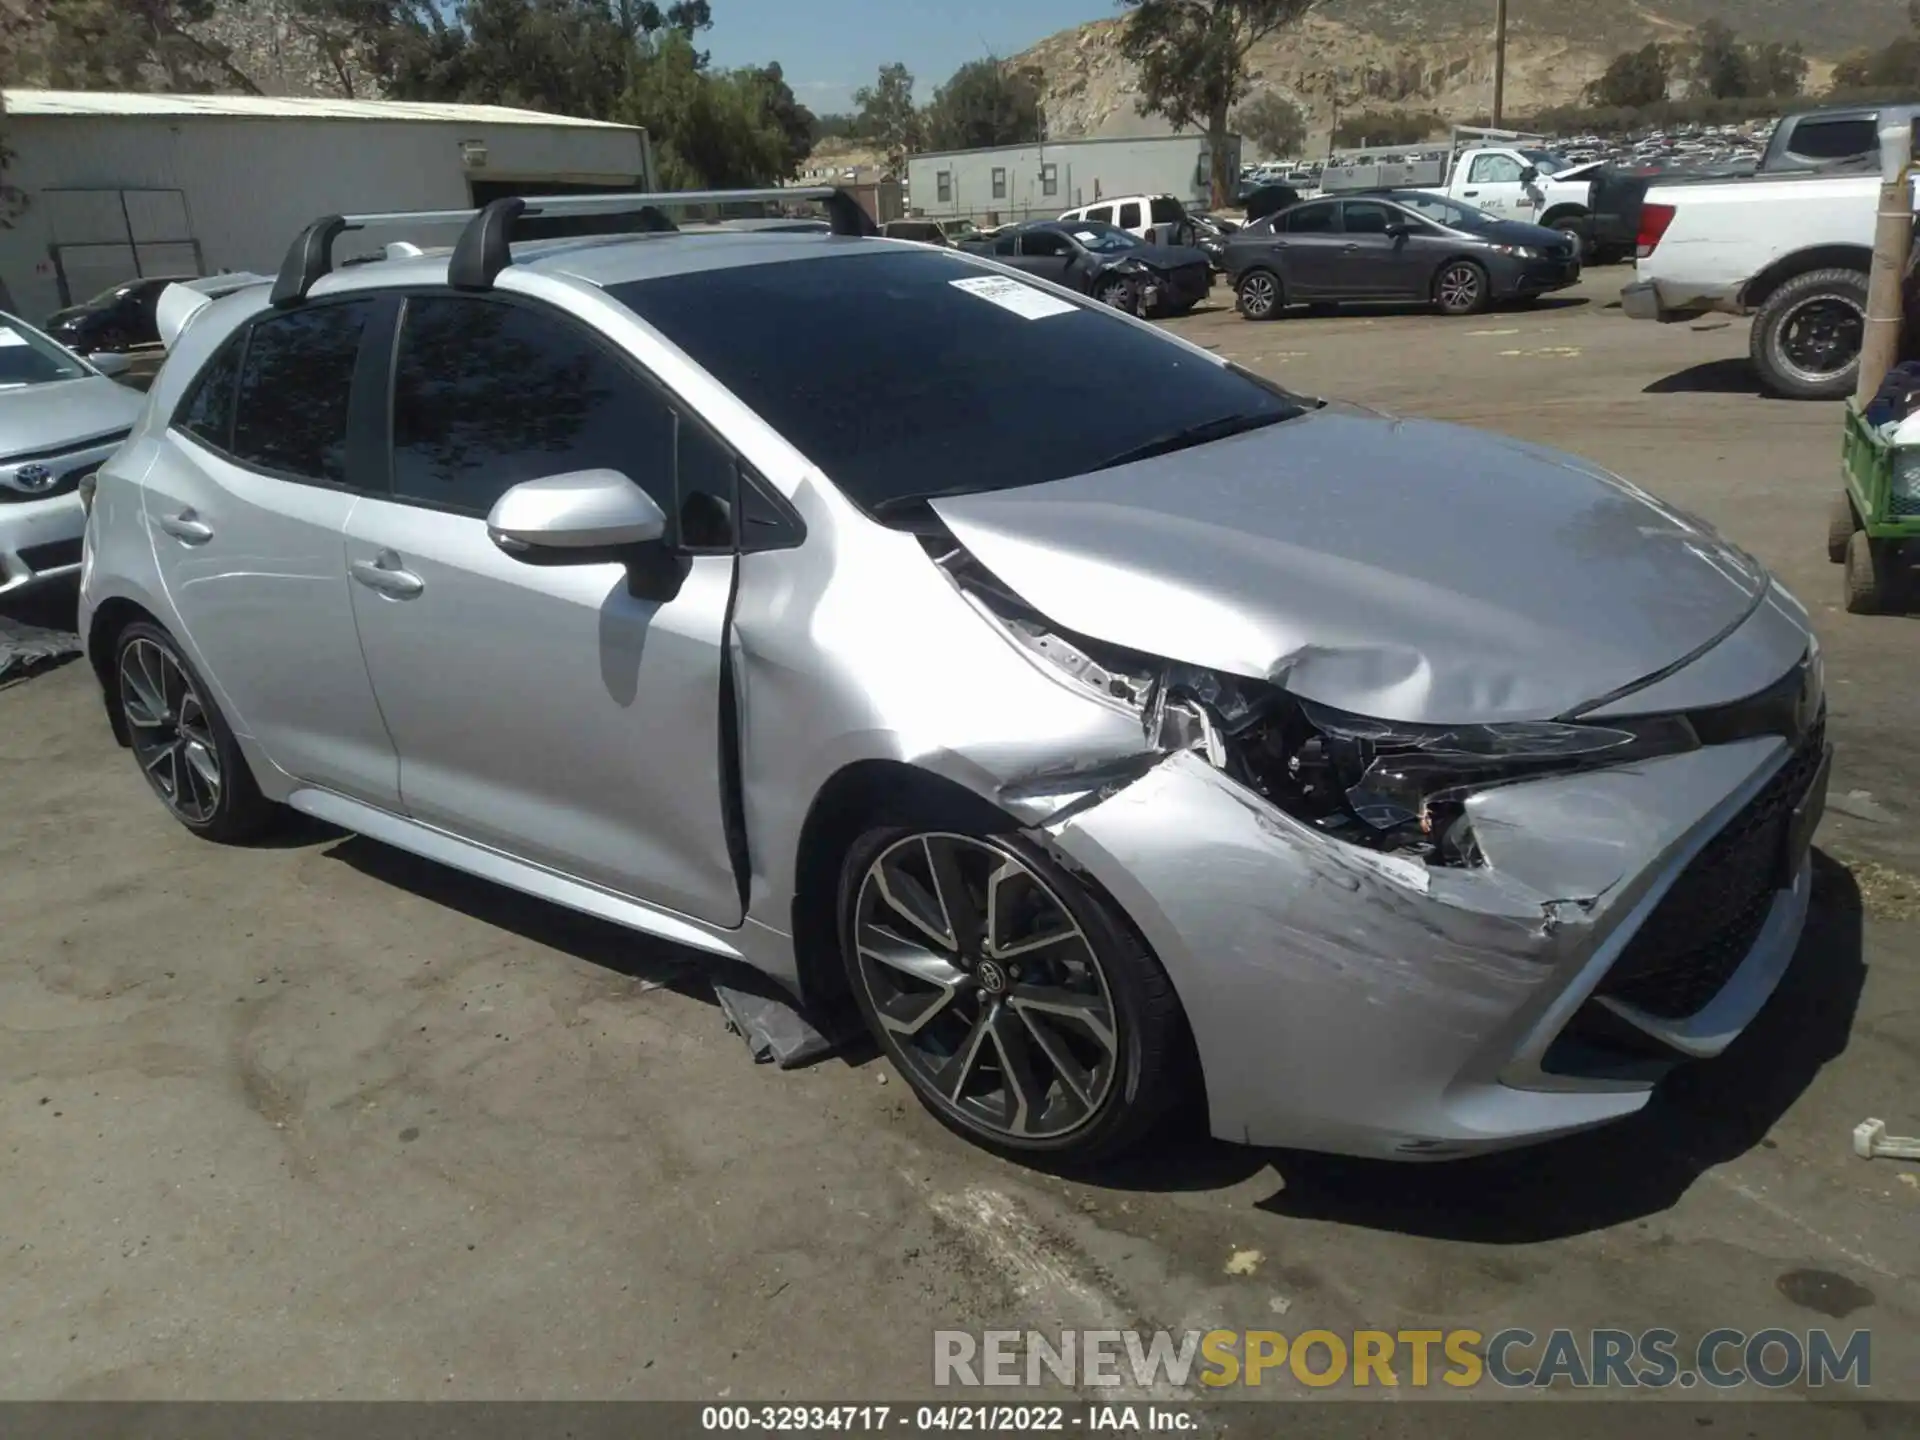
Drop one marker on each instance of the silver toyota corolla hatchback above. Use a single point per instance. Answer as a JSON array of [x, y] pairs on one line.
[[1107, 723]]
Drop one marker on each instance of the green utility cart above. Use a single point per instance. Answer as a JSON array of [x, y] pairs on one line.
[[1875, 522]]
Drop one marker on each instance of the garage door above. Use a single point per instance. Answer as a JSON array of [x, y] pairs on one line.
[[104, 237]]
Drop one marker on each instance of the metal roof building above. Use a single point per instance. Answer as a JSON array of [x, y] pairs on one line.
[[118, 186]]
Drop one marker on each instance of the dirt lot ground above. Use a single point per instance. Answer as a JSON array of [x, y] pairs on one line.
[[319, 1120]]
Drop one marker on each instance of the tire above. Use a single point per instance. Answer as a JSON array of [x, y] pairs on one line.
[[1575, 230], [1819, 314], [1259, 296], [973, 999], [1840, 527], [180, 740], [1462, 288], [1870, 579], [1118, 292]]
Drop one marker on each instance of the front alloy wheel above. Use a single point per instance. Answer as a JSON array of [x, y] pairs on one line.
[[1120, 293], [1259, 295], [171, 731], [1462, 288]]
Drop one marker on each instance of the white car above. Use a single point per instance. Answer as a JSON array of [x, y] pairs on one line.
[[60, 417]]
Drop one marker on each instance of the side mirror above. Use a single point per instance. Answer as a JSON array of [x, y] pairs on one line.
[[580, 511], [1399, 230], [110, 362], [1529, 175]]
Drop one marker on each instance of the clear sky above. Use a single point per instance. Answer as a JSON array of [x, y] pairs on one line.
[[829, 48]]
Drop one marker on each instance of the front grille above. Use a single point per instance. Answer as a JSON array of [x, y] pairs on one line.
[[64, 485], [51, 556], [1706, 924]]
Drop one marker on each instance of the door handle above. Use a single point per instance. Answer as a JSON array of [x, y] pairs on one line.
[[187, 527], [1351, 246], [1469, 193], [385, 574]]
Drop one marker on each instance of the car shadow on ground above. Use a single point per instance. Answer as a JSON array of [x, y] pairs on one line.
[[1713, 377], [1703, 1115], [585, 937]]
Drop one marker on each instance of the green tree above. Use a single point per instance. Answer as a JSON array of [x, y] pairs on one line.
[[710, 130], [1779, 69], [1273, 123], [1386, 128], [887, 114], [984, 103], [1639, 77], [784, 115], [1895, 66], [1722, 69], [1192, 56]]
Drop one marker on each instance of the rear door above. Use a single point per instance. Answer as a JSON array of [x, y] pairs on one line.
[[247, 504], [561, 713], [1309, 249]]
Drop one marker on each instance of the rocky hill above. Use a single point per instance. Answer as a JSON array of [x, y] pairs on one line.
[[1438, 54]]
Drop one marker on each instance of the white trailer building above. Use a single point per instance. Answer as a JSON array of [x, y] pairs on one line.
[[118, 186], [1027, 182]]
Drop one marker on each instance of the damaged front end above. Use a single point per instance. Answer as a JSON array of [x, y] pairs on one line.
[[1429, 940], [1381, 785]]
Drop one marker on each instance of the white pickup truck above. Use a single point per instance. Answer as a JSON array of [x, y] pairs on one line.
[[1519, 181], [1792, 251]]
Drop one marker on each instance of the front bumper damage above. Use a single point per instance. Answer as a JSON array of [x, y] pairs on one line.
[[1350, 1001]]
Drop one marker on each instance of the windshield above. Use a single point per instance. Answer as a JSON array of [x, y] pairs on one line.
[[1165, 210], [914, 373], [1546, 162], [1446, 212], [1104, 239], [29, 358]]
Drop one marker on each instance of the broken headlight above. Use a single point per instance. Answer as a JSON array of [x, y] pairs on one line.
[[1396, 786]]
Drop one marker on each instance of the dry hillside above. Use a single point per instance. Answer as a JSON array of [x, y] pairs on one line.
[[1438, 54]]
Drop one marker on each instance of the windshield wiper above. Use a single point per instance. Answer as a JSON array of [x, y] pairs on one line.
[[1204, 433]]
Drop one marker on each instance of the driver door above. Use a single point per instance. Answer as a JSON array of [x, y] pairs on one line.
[[547, 710], [1046, 253], [1494, 184]]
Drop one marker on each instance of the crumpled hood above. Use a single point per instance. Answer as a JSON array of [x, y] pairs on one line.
[[1402, 569], [61, 413]]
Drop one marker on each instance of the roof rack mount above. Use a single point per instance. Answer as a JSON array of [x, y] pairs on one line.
[[487, 234]]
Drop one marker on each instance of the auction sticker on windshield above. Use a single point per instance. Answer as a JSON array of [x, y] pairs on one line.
[[1021, 299]]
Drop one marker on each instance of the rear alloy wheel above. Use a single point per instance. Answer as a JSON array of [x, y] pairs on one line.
[[1807, 336], [1461, 289], [1022, 1013], [1118, 292], [1258, 294], [180, 740]]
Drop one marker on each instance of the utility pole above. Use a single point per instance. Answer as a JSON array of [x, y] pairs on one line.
[[1499, 62]]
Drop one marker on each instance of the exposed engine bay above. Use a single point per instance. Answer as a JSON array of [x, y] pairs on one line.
[[1383, 785]]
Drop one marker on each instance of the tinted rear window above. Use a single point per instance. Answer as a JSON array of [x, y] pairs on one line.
[[896, 382], [1833, 139]]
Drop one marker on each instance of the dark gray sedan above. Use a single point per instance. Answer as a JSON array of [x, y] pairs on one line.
[[1395, 245], [1112, 265]]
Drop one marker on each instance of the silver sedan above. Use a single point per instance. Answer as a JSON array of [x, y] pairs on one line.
[[60, 417], [1103, 722]]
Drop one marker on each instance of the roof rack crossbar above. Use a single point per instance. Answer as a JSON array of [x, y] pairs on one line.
[[484, 247]]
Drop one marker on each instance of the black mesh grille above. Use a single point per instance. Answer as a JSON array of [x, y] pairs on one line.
[[1704, 926]]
